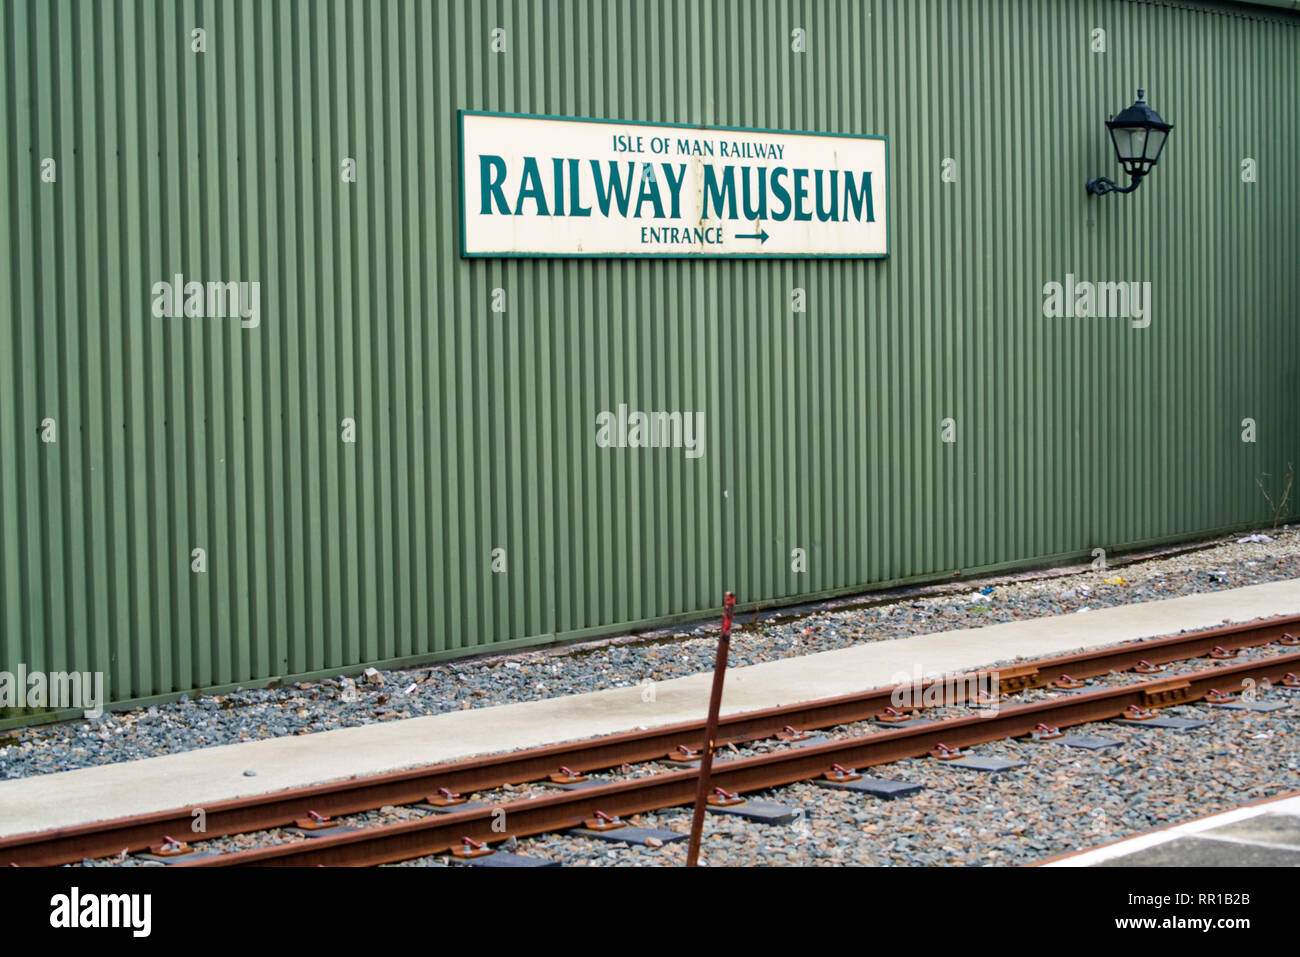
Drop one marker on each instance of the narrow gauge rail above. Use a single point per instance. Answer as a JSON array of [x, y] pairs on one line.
[[389, 843]]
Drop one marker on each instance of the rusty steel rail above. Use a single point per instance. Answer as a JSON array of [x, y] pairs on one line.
[[439, 833], [282, 808]]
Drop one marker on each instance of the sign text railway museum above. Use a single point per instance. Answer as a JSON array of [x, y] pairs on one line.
[[542, 186]]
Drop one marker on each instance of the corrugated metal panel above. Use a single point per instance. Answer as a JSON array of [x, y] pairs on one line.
[[1282, 4], [476, 429]]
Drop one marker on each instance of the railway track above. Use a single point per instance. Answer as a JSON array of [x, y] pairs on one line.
[[568, 809]]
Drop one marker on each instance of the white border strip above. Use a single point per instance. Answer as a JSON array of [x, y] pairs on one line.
[[1288, 805]]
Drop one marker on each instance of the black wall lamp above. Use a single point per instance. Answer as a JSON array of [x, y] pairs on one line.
[[1139, 135]]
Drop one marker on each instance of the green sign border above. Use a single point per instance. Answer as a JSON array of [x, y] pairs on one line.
[[460, 123]]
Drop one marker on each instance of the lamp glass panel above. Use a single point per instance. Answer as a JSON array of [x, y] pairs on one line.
[[1155, 143], [1137, 143], [1120, 135]]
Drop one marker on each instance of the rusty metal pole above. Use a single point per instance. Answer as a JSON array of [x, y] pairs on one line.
[[711, 731]]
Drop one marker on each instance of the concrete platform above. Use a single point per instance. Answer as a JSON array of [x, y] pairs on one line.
[[1266, 834], [198, 777]]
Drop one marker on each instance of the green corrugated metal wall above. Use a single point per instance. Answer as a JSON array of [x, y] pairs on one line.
[[476, 429]]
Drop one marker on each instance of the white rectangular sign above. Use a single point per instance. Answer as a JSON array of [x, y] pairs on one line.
[[547, 186]]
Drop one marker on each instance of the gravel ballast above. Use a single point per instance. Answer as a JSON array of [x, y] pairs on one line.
[[304, 708]]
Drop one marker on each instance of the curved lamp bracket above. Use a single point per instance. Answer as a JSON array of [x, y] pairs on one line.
[[1103, 185]]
